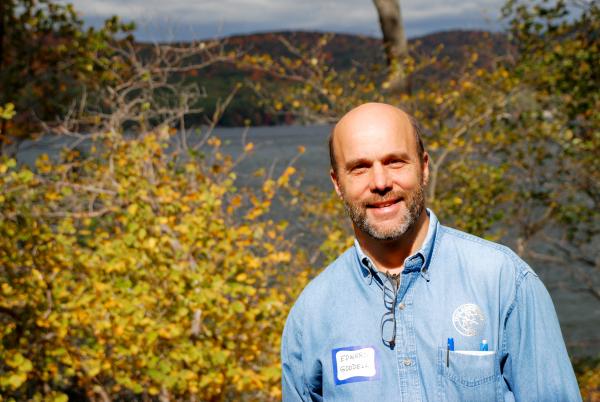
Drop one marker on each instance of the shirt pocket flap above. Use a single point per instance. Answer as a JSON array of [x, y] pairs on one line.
[[470, 369]]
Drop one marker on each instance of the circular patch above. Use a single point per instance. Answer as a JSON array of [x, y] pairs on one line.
[[468, 319]]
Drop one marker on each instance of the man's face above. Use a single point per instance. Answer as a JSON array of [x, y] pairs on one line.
[[379, 175]]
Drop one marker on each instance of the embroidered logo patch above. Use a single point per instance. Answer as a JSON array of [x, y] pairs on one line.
[[468, 319], [355, 363]]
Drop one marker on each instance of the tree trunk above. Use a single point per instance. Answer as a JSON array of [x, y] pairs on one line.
[[2, 6], [3, 12], [394, 42]]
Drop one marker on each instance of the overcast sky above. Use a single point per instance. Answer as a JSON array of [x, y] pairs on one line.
[[160, 20]]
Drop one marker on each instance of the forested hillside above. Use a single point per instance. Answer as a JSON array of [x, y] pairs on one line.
[[341, 52]]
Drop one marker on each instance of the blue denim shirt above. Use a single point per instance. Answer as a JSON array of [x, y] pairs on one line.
[[457, 285]]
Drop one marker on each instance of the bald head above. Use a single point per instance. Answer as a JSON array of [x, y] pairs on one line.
[[371, 117]]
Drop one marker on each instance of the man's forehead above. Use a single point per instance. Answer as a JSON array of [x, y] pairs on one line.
[[370, 111], [372, 121]]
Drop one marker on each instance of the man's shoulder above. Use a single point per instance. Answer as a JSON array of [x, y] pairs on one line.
[[336, 275], [476, 249]]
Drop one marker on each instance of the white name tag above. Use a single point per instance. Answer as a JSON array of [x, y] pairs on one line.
[[354, 363]]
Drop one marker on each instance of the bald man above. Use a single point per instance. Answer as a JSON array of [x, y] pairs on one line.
[[416, 311]]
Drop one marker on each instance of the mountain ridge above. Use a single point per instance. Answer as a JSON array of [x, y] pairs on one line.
[[343, 51]]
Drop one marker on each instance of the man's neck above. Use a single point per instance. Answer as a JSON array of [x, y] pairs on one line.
[[389, 255]]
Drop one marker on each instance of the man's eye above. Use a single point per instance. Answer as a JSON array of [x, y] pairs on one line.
[[396, 163], [358, 169]]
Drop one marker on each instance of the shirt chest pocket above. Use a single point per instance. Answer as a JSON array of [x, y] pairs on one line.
[[468, 376]]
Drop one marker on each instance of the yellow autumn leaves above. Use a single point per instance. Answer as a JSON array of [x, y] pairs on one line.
[[141, 279]]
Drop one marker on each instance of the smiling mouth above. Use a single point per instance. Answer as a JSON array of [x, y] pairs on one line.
[[383, 204]]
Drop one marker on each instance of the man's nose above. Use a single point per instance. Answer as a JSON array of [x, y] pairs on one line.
[[380, 179]]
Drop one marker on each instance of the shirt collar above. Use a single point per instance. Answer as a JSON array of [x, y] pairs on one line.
[[419, 261]]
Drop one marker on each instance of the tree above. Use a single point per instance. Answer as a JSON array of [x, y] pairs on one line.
[[135, 268], [394, 42], [557, 65], [136, 273], [48, 62]]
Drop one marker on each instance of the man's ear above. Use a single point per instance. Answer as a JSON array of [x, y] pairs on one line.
[[425, 168], [334, 180]]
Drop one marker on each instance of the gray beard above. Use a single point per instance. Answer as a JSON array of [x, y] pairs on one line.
[[415, 203]]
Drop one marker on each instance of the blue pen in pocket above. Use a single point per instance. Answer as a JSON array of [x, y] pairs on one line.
[[449, 347]]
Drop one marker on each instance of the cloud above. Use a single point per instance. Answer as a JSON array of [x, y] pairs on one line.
[[186, 19], [425, 9]]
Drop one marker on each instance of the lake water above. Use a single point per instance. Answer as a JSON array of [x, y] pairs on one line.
[[578, 311]]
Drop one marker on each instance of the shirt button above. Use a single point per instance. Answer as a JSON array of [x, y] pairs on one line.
[[401, 306], [407, 362]]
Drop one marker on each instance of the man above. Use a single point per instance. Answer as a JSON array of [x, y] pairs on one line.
[[416, 311]]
